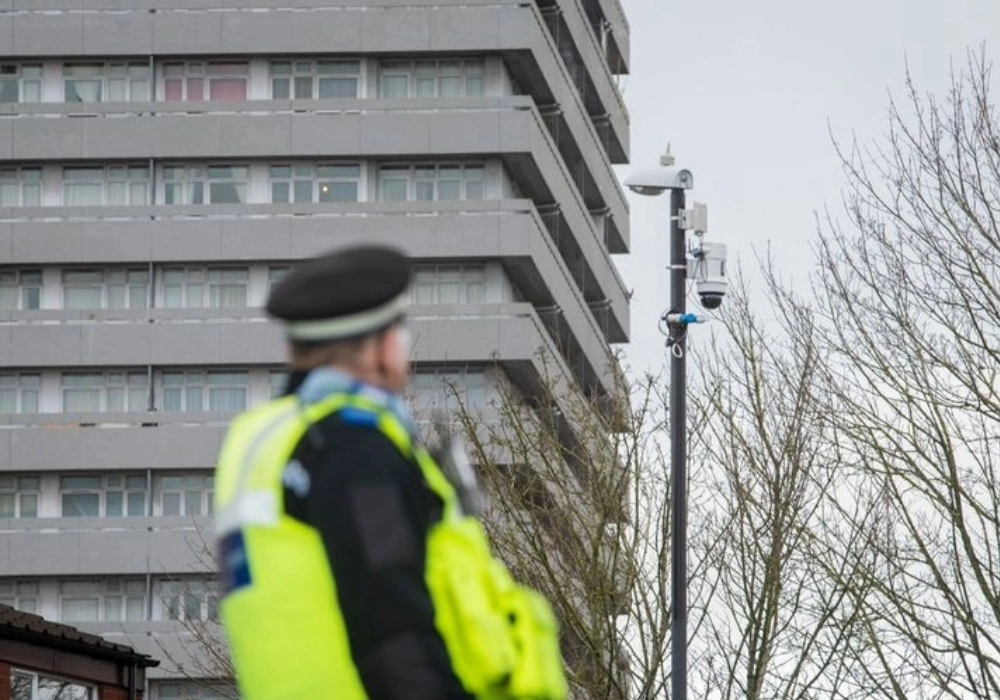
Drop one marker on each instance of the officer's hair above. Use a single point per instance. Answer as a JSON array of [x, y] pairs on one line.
[[342, 353]]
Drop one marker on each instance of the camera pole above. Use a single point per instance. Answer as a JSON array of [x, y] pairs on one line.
[[678, 449]]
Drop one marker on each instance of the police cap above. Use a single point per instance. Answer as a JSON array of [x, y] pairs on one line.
[[343, 294]]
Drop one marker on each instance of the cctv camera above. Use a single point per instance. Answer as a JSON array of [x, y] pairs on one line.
[[708, 269], [710, 293]]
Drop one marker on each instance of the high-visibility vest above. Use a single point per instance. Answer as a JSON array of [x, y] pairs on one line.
[[287, 635]]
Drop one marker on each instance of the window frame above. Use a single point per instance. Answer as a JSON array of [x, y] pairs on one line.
[[197, 78], [177, 598], [30, 291], [107, 182], [197, 184], [205, 491], [27, 182], [107, 287], [18, 488], [453, 382], [110, 594], [109, 383], [420, 174], [421, 73], [21, 81], [209, 281], [16, 598], [105, 488], [312, 174], [469, 276], [35, 679], [133, 77], [200, 380], [311, 69]]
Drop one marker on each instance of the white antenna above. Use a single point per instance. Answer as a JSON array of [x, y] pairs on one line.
[[667, 159]]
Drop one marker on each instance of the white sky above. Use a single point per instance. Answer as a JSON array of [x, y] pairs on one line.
[[746, 93]]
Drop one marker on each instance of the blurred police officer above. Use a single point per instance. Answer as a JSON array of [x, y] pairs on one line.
[[350, 570]]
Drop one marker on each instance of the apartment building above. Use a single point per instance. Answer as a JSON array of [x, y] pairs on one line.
[[164, 162]]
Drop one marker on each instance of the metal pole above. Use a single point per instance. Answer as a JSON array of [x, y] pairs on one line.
[[678, 453]]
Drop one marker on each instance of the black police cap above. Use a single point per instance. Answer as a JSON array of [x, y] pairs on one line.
[[344, 294]]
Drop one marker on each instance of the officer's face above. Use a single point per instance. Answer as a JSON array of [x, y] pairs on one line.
[[394, 356]]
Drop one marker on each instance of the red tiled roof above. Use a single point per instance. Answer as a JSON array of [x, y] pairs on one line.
[[17, 624]]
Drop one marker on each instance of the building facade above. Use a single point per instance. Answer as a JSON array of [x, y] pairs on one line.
[[164, 162]]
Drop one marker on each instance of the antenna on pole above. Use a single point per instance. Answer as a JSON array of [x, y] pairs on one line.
[[667, 159]]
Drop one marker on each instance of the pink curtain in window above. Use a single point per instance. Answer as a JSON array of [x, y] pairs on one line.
[[228, 90], [173, 90]]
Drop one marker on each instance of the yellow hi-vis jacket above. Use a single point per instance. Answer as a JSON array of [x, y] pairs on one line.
[[286, 633]]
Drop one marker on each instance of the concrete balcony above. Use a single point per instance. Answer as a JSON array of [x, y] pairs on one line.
[[508, 230], [192, 27], [509, 336], [510, 127], [104, 546]]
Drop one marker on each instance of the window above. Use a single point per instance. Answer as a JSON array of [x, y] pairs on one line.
[[448, 284], [95, 496], [444, 78], [113, 82], [319, 183], [196, 81], [274, 276], [20, 289], [19, 392], [20, 187], [448, 390], [428, 183], [199, 287], [186, 494], [304, 80], [278, 380], [191, 599], [197, 184], [20, 83], [112, 185], [99, 392], [195, 391], [128, 82], [27, 685], [22, 595], [102, 601], [19, 496], [105, 289], [191, 690]]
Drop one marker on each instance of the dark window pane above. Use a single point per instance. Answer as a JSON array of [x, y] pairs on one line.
[[77, 505]]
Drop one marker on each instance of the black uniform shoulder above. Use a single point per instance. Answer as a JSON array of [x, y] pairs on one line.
[[346, 451]]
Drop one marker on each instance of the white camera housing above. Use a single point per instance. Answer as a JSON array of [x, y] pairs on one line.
[[654, 181], [707, 267]]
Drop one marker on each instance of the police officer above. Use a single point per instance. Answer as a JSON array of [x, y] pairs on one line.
[[350, 570]]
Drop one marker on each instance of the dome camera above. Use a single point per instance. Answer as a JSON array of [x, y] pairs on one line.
[[710, 294]]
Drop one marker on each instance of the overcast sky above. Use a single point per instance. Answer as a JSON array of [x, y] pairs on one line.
[[747, 93]]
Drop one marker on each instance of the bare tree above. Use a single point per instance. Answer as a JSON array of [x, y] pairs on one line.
[[577, 509], [779, 625], [908, 297]]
